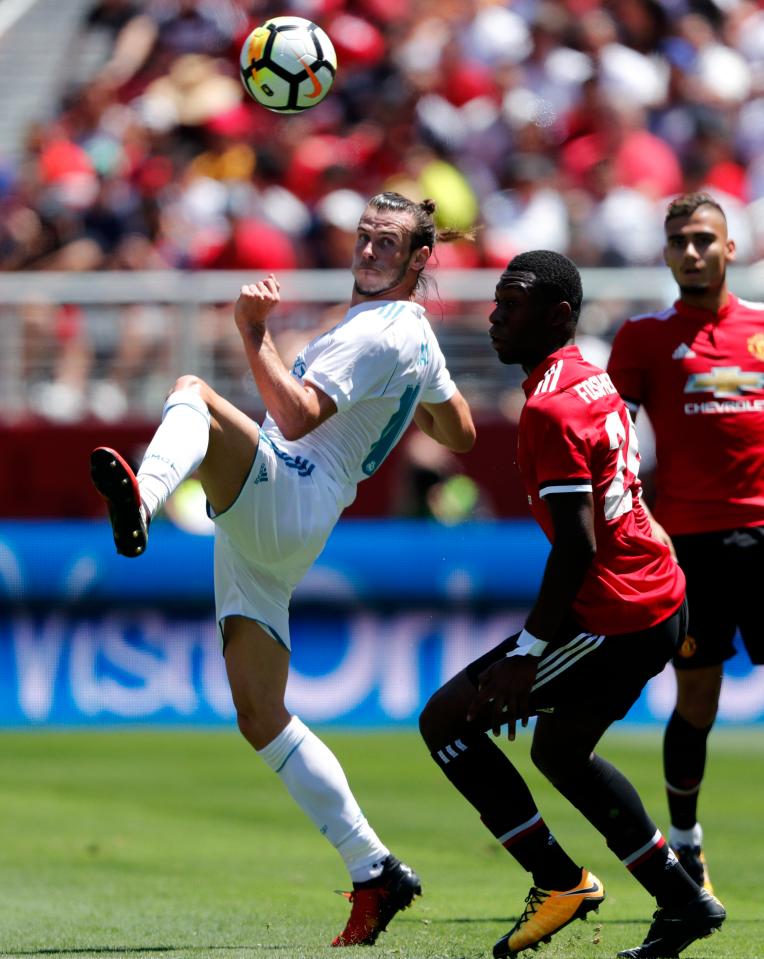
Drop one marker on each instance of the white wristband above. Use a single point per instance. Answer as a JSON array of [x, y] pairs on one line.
[[528, 645]]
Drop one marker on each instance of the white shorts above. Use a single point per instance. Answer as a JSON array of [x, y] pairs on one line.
[[270, 537]]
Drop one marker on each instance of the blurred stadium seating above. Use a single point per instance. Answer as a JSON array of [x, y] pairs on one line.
[[135, 173]]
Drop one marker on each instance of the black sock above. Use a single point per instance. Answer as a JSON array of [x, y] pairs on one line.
[[486, 778], [612, 805], [684, 762], [658, 870]]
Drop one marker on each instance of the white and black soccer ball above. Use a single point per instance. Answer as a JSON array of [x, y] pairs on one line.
[[288, 64]]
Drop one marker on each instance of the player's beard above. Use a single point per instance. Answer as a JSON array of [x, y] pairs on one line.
[[702, 288], [385, 289], [694, 290]]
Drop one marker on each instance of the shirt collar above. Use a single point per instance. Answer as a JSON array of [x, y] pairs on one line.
[[702, 315], [570, 352]]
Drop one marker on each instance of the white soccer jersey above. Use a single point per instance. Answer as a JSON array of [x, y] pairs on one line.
[[376, 364]]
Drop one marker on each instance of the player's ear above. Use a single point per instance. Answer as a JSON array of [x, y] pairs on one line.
[[561, 314], [731, 250], [419, 258]]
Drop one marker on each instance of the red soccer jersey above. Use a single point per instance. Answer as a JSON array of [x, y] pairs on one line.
[[576, 435], [700, 377]]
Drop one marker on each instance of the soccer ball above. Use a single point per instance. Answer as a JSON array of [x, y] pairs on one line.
[[288, 64]]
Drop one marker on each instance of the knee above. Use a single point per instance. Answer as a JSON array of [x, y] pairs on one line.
[[541, 760], [698, 692], [557, 766], [698, 711], [260, 726], [189, 381], [439, 721], [427, 720]]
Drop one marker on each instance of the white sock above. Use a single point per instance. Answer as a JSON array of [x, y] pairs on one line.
[[316, 782], [176, 449], [686, 837]]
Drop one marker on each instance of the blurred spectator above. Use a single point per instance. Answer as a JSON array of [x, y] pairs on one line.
[[527, 213], [511, 116], [547, 124], [56, 359], [432, 485]]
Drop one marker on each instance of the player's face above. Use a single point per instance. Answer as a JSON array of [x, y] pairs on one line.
[[698, 250], [515, 325], [382, 259]]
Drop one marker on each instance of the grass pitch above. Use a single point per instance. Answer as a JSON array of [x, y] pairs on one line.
[[182, 844]]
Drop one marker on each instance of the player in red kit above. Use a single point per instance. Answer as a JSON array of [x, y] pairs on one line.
[[609, 615], [698, 370]]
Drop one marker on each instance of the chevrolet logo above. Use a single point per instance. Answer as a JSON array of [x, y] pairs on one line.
[[724, 381]]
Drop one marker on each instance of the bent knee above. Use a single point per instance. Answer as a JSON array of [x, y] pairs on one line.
[[559, 765], [442, 719], [428, 719], [261, 725], [698, 713], [190, 381]]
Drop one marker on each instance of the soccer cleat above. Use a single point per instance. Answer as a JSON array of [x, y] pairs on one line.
[[548, 911], [116, 482], [376, 902], [673, 929], [693, 862]]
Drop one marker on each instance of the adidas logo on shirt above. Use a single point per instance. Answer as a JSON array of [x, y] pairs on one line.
[[262, 476], [551, 378], [683, 352]]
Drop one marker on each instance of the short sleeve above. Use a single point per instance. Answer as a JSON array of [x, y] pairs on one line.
[[626, 367], [562, 451], [440, 387], [349, 369]]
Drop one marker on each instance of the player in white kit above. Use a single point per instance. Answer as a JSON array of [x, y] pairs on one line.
[[276, 491]]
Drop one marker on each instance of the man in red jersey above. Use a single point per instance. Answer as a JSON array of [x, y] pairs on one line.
[[698, 370], [609, 615]]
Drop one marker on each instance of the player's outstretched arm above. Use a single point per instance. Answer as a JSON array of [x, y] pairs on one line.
[[449, 423], [296, 407]]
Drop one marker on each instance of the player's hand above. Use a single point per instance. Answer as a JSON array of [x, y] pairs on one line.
[[255, 303], [504, 690]]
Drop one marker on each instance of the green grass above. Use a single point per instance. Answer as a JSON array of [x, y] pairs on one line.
[[182, 844]]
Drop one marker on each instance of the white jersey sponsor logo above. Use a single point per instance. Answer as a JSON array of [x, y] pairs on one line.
[[724, 406]]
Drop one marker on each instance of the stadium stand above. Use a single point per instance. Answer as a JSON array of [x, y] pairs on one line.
[[129, 149]]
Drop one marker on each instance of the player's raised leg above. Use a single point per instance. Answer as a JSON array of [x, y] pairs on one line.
[[257, 668], [200, 430]]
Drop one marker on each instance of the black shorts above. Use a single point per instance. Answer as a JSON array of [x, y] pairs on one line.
[[581, 673], [725, 572]]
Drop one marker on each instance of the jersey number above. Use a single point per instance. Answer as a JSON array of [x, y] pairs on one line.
[[618, 498], [390, 434]]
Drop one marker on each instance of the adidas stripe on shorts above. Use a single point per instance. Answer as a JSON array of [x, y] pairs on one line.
[[585, 673]]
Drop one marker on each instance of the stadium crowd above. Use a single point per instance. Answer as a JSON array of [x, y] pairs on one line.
[[559, 124]]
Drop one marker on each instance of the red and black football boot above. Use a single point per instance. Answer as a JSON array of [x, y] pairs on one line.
[[117, 483], [376, 901]]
